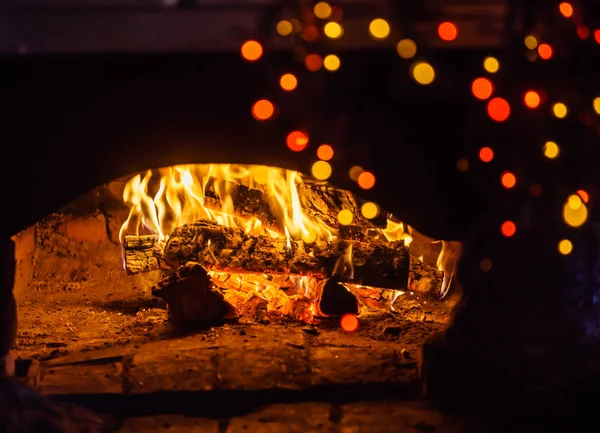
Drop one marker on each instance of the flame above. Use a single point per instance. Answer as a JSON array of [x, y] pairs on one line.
[[344, 266], [182, 196], [395, 231]]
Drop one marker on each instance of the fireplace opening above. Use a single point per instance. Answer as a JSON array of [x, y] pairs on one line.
[[226, 255]]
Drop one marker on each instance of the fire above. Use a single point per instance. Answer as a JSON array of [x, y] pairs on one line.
[[188, 193]]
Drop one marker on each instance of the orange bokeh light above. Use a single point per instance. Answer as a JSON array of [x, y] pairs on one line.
[[252, 50], [349, 322], [498, 109], [297, 141], [263, 109], [508, 180], [288, 82], [597, 35], [532, 99], [313, 62], [486, 154], [366, 180], [585, 197], [447, 31], [545, 51], [482, 88], [566, 9], [325, 152], [508, 228]]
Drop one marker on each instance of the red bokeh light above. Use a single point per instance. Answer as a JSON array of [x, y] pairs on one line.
[[349, 322], [486, 154], [498, 109], [297, 141], [508, 228], [447, 31]]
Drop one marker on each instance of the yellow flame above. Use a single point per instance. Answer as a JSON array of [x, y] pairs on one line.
[[396, 231], [181, 197], [344, 266]]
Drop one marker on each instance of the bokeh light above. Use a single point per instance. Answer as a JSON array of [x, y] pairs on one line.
[[447, 31], [345, 217], [566, 9], [575, 212], [482, 88], [560, 110], [333, 30], [545, 51], [263, 109], [406, 48], [574, 201], [565, 247], [349, 322], [297, 141], [354, 172], [310, 34], [321, 170], [322, 10], [284, 28], [462, 164], [532, 99], [508, 180], [585, 197], [498, 109], [596, 105], [485, 265], [379, 28], [535, 190], [369, 210], [531, 42], [486, 154], [288, 82], [251, 50], [551, 150], [583, 31], [332, 62], [325, 152], [366, 180], [313, 62], [508, 228], [423, 73], [491, 64], [597, 35]]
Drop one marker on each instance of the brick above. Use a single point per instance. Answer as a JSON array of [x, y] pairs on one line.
[[169, 424], [91, 229], [83, 379], [285, 418]]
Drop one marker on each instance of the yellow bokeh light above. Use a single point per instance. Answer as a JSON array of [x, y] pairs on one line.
[[355, 171], [565, 247], [597, 105], [423, 73], [551, 150], [284, 28], [491, 65], [321, 170], [574, 201], [531, 42], [369, 210], [322, 10], [332, 62], [560, 110], [379, 28], [575, 217], [333, 30], [345, 217], [406, 48]]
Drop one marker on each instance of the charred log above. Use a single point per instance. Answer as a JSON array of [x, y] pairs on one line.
[[141, 254], [379, 264], [424, 278], [190, 297], [336, 300]]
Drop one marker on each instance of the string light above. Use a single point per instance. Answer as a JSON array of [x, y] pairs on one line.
[[498, 109], [566, 9], [532, 99], [447, 31], [284, 28], [565, 247], [560, 110], [423, 73], [545, 51], [379, 29], [333, 30], [297, 141], [508, 228], [288, 82], [406, 48], [491, 65], [551, 150], [321, 170], [366, 180], [332, 62], [251, 51], [482, 88], [486, 154], [531, 42], [263, 109], [325, 152], [369, 210], [345, 217], [508, 180], [322, 10]]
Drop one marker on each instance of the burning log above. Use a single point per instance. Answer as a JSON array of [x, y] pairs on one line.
[[190, 297], [378, 264], [424, 278]]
